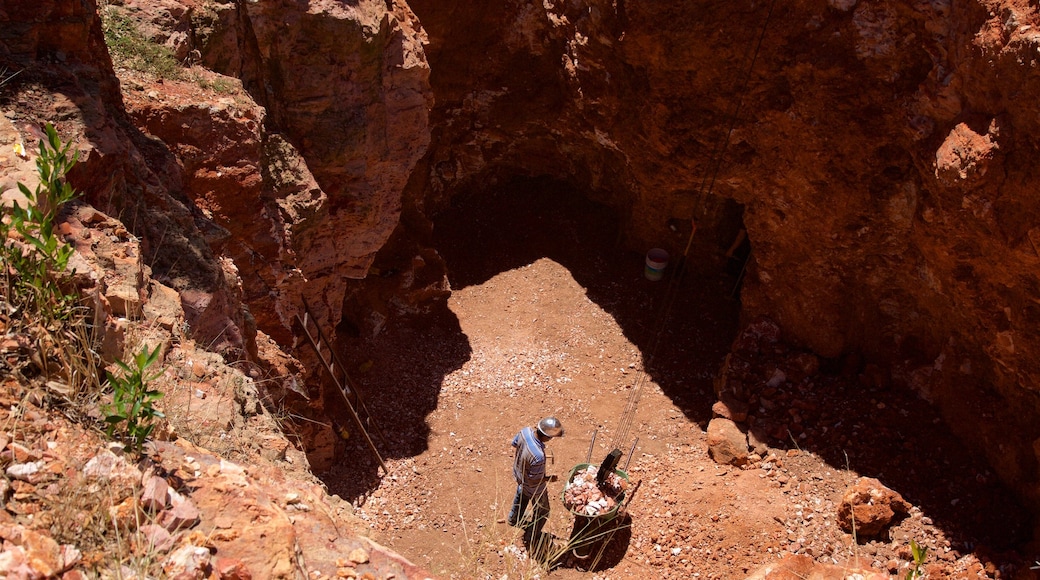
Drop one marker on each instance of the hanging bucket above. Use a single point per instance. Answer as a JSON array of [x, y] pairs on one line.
[[656, 262]]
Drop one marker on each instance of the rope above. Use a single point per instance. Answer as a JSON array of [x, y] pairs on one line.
[[735, 115], [628, 415]]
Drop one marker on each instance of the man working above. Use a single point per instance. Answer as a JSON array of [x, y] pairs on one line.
[[529, 472]]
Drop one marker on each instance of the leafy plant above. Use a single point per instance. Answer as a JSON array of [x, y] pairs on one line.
[[33, 274], [36, 292], [131, 413], [920, 554]]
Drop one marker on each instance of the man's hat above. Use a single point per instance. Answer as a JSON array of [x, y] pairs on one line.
[[550, 427]]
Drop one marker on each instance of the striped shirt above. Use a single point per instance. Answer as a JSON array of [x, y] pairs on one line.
[[529, 465]]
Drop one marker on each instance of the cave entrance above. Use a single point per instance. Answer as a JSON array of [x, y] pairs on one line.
[[540, 248], [681, 326]]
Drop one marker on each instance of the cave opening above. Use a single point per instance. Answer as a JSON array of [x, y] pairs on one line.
[[682, 325], [523, 242]]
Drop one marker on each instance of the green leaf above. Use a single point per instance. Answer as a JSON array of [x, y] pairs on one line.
[[25, 191]]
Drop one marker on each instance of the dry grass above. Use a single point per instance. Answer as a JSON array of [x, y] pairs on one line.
[[494, 551], [6, 75], [93, 516], [131, 49]]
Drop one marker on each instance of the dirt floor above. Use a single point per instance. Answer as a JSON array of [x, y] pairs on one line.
[[548, 316]]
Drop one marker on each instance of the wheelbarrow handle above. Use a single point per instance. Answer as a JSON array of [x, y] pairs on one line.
[[624, 508], [630, 452]]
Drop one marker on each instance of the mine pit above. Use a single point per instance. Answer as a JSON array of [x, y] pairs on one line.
[[477, 203], [550, 313]]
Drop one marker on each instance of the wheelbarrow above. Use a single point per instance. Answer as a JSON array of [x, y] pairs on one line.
[[591, 533]]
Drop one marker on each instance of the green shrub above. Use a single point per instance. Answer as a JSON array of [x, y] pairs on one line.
[[920, 554], [36, 290], [131, 416], [34, 269]]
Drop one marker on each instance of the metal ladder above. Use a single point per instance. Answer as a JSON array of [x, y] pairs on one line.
[[338, 372]]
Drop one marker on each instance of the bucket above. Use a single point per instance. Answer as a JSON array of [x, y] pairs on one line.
[[656, 262]]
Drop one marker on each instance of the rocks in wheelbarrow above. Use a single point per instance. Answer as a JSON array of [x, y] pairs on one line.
[[584, 496]]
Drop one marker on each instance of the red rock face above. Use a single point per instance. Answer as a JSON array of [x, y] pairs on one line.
[[304, 168], [65, 77], [348, 87], [883, 151]]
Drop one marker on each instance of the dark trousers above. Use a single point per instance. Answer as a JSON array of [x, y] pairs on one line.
[[539, 509]]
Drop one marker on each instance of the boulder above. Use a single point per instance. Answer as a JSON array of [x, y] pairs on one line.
[[727, 444], [868, 508], [800, 566]]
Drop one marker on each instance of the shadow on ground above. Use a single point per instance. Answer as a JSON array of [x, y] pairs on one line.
[[400, 371], [683, 325]]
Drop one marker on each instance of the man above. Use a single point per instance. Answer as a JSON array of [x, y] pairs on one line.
[[529, 472]]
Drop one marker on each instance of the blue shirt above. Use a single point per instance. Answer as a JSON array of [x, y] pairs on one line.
[[529, 465]]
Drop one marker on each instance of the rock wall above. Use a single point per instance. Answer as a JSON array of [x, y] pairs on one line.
[[290, 171], [303, 165], [60, 72], [882, 152], [345, 89]]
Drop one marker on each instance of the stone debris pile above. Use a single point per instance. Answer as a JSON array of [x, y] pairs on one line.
[[584, 496]]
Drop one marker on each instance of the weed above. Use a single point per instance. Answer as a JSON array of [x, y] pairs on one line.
[[920, 554], [35, 265], [131, 411], [34, 281], [131, 49]]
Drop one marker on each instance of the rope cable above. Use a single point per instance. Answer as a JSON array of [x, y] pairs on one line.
[[732, 124], [631, 405]]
